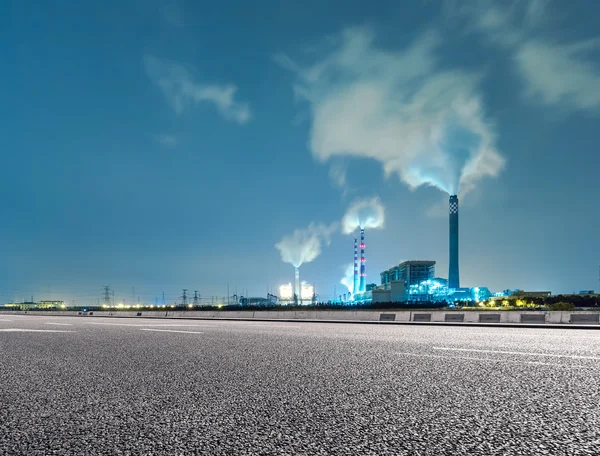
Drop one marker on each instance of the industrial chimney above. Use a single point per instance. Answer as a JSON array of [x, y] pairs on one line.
[[297, 287], [355, 287], [363, 275], [453, 274]]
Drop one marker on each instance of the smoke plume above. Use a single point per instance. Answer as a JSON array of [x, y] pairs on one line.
[[422, 122], [363, 213], [304, 245], [348, 279]]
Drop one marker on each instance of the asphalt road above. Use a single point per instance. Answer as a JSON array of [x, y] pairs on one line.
[[90, 386]]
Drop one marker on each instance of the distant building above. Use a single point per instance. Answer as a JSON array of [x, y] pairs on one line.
[[51, 304], [389, 292], [519, 294], [530, 294], [409, 272], [28, 305], [258, 301]]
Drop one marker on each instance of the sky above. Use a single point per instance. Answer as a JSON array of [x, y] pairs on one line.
[[157, 145]]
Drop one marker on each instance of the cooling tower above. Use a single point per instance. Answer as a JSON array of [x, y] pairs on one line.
[[297, 287], [363, 275], [453, 274], [355, 287]]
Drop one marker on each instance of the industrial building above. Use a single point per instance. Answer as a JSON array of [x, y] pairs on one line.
[[306, 296], [389, 292], [415, 281], [409, 272], [28, 305]]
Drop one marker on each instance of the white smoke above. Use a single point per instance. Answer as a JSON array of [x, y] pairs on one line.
[[348, 279], [421, 122], [304, 245], [363, 213]]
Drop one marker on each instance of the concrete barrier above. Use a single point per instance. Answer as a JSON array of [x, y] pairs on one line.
[[548, 318]]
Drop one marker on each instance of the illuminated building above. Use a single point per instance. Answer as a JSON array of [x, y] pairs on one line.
[[307, 292], [286, 291], [409, 272], [50, 304]]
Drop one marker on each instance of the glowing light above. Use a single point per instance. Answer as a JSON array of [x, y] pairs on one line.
[[286, 291], [190, 305], [307, 291]]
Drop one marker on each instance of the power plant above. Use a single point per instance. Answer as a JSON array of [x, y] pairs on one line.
[[409, 281], [413, 281]]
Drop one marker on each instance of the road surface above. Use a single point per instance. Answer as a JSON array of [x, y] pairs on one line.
[[90, 386]]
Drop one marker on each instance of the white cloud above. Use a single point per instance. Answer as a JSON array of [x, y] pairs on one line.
[[559, 74], [337, 174], [421, 122], [172, 12], [181, 90], [169, 141]]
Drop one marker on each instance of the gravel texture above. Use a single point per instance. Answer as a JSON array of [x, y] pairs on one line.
[[95, 386]]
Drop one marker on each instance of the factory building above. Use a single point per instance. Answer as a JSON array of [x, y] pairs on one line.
[[394, 291], [28, 305], [396, 282], [409, 272], [288, 297]]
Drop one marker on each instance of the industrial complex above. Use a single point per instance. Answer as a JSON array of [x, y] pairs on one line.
[[409, 282], [416, 280], [412, 281]]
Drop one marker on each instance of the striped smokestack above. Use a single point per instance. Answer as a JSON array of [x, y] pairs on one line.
[[453, 274], [363, 275], [355, 287]]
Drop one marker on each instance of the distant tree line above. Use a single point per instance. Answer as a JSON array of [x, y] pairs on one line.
[[558, 302]]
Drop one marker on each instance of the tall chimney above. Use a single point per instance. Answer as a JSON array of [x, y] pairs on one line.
[[297, 287], [363, 275], [355, 288], [453, 274]]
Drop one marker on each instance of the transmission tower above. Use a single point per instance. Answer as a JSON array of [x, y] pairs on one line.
[[196, 297], [106, 296], [184, 297]]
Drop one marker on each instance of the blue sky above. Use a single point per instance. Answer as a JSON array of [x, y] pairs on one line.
[[171, 144]]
